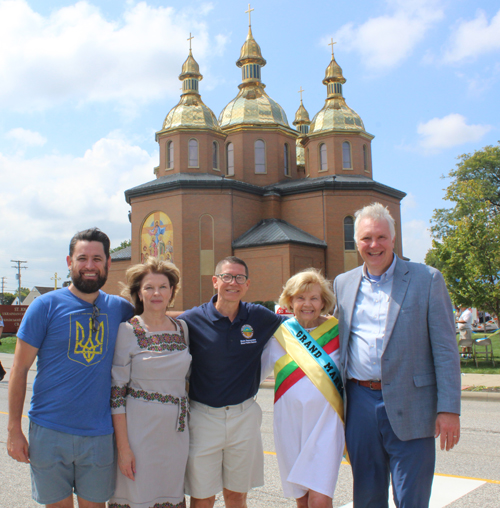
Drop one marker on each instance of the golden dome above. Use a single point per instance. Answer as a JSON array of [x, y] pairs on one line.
[[336, 115], [190, 68], [252, 106], [302, 116], [333, 72], [250, 51], [190, 113]]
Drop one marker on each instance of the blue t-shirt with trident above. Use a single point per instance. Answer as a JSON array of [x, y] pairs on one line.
[[72, 387]]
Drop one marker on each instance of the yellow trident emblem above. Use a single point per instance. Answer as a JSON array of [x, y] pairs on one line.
[[92, 345]]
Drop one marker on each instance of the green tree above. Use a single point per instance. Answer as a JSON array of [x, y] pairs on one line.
[[125, 243], [466, 245]]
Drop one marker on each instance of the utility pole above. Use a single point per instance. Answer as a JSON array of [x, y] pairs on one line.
[[18, 276], [3, 285], [55, 279]]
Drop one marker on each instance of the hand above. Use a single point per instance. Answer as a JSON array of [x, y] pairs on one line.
[[448, 427], [126, 463], [17, 446]]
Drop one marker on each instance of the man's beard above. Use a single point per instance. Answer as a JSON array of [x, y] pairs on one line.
[[89, 286]]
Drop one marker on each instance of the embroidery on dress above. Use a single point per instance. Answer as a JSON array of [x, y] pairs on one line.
[[182, 504], [182, 402], [164, 341], [118, 394]]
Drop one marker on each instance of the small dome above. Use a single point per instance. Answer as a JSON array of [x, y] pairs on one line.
[[333, 72], [250, 51], [302, 116], [335, 115], [252, 106], [190, 68], [191, 113]]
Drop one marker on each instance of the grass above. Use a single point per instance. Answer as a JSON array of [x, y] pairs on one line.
[[485, 367], [467, 367], [8, 344]]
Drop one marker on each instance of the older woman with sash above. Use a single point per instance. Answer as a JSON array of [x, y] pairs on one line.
[[308, 407]]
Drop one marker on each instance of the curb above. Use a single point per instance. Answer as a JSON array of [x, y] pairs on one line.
[[482, 396]]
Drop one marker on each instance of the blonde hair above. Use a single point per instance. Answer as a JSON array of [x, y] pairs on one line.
[[375, 211], [304, 281], [136, 273]]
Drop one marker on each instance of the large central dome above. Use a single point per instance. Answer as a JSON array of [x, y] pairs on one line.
[[252, 105]]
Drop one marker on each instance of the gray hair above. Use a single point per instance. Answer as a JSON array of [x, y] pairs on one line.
[[377, 212]]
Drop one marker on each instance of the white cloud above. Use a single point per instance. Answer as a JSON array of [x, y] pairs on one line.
[[416, 240], [45, 200], [451, 130], [25, 137], [76, 54], [385, 41], [473, 38]]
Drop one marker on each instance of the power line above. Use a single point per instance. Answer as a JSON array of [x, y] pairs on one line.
[[18, 276]]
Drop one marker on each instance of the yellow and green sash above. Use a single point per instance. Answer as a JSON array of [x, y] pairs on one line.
[[308, 355]]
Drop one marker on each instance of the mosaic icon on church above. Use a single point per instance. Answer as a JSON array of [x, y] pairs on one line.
[[157, 237]]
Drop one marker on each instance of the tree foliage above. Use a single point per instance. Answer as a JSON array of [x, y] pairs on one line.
[[125, 243], [466, 245]]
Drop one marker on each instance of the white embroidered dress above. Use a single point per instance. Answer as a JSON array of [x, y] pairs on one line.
[[308, 433], [149, 385]]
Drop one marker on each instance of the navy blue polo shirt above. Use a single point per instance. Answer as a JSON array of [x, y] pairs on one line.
[[226, 355]]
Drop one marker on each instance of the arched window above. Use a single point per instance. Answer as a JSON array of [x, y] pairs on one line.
[[215, 155], [286, 160], [193, 153], [260, 156], [349, 234], [230, 159], [323, 162], [365, 158], [170, 155], [346, 155]]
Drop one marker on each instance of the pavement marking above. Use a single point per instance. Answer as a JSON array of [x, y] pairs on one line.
[[445, 490], [3, 413]]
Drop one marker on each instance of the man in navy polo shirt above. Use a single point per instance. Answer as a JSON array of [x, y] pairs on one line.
[[226, 337]]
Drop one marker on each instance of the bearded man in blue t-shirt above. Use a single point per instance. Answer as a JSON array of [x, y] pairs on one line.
[[72, 331]]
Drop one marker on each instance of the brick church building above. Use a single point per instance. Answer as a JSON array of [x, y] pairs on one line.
[[250, 185]]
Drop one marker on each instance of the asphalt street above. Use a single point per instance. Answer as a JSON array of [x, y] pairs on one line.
[[466, 477]]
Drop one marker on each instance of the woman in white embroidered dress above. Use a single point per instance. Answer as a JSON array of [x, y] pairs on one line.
[[308, 432], [148, 397]]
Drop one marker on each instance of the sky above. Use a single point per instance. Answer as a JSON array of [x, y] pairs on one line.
[[85, 85]]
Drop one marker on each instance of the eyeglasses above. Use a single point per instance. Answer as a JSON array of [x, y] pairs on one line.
[[228, 278], [95, 314]]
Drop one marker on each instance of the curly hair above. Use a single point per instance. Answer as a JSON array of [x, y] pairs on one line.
[[304, 281], [136, 273]]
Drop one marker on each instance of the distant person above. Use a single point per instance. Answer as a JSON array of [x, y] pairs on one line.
[[308, 404], [73, 333], [400, 365], [465, 323], [149, 403], [2, 370], [227, 336]]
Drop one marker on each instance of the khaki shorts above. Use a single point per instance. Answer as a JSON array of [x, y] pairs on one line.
[[225, 449]]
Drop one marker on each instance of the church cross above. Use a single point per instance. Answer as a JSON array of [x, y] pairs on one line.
[[300, 91], [331, 44], [249, 15], [189, 39]]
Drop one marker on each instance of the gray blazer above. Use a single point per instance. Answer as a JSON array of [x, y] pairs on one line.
[[420, 360]]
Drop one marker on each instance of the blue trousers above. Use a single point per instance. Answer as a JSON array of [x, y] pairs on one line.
[[376, 453]]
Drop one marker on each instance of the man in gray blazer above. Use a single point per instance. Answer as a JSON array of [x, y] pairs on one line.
[[400, 367]]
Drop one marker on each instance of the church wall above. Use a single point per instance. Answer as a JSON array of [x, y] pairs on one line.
[[305, 211], [271, 266], [247, 212], [244, 155], [116, 275]]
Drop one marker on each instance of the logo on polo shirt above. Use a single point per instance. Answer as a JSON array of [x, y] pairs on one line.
[[247, 332]]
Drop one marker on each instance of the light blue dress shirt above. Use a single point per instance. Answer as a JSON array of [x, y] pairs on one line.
[[368, 325]]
